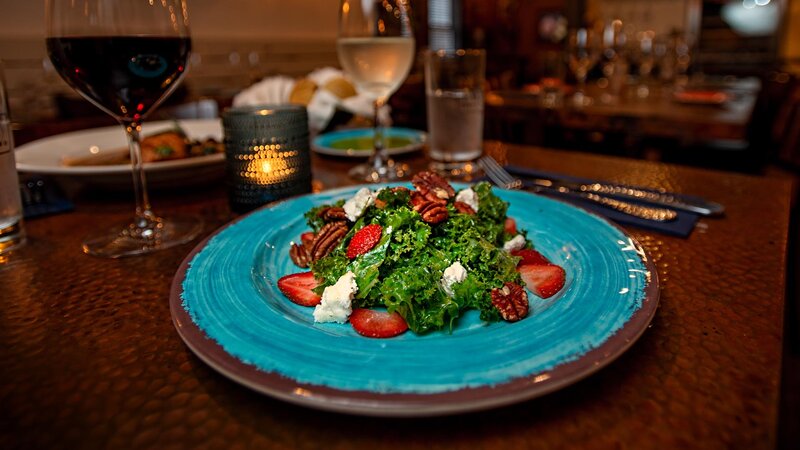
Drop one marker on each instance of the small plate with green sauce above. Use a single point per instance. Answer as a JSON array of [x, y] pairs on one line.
[[357, 142]]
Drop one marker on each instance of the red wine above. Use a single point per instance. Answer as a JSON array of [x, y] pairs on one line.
[[124, 75]]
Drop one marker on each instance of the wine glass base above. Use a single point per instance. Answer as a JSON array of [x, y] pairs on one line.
[[130, 239], [391, 171], [459, 171]]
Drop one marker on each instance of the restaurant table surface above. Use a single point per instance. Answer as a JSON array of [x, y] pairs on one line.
[[657, 115], [89, 357]]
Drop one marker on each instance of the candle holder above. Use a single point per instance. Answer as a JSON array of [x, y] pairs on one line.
[[267, 154]]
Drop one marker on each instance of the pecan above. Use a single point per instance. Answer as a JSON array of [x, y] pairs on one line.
[[433, 187], [512, 301], [432, 212], [327, 239], [333, 214], [299, 255], [416, 200], [464, 208]]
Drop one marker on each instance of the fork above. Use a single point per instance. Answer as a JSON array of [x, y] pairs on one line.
[[505, 180]]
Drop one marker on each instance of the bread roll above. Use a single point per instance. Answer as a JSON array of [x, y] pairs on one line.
[[340, 87], [302, 91]]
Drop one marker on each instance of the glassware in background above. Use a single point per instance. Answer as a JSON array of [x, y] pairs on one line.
[[12, 232], [672, 58], [454, 96], [682, 61], [551, 83], [376, 51], [615, 64], [125, 56], [583, 52], [267, 156], [644, 58], [663, 51]]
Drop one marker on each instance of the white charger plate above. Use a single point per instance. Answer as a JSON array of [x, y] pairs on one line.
[[45, 156]]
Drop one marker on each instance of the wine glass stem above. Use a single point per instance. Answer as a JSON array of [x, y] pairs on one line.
[[144, 216], [378, 157]]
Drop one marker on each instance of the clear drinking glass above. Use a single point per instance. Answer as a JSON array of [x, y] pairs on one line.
[[583, 52], [126, 57], [454, 98], [12, 231], [376, 50]]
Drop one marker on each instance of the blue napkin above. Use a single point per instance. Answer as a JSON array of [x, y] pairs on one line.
[[682, 226], [41, 197]]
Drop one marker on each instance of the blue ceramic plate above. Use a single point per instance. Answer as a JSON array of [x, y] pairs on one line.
[[357, 142], [226, 306]]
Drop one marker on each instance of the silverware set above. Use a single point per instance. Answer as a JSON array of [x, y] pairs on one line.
[[661, 206]]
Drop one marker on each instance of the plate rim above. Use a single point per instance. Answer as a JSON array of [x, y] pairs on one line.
[[469, 399], [114, 169], [330, 151]]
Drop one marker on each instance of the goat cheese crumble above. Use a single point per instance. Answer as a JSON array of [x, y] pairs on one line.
[[515, 243], [456, 273], [355, 206], [469, 197], [336, 305]]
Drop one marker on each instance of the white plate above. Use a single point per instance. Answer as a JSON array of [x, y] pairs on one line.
[[45, 156]]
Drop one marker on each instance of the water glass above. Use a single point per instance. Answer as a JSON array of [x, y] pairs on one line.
[[551, 82], [266, 154], [454, 92], [12, 233]]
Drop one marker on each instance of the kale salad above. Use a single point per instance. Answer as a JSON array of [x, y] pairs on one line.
[[400, 258]]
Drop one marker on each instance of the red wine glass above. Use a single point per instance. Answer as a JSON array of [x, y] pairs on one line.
[[126, 57]]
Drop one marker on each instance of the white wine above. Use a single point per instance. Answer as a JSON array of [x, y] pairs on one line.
[[376, 65]]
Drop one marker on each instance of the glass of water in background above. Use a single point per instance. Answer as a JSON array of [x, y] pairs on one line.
[[12, 233], [454, 92]]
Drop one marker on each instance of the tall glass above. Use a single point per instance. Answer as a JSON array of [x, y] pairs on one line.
[[583, 52], [126, 57], [376, 50], [615, 64], [12, 231]]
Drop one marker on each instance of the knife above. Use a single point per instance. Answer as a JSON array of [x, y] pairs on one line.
[[697, 206]]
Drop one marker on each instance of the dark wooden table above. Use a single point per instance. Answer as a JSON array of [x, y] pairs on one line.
[[89, 357], [657, 116]]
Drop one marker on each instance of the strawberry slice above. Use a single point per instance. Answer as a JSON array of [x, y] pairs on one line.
[[364, 240], [530, 257], [307, 238], [510, 226], [377, 324], [297, 287], [543, 280]]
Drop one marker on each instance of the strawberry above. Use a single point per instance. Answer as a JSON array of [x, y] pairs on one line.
[[530, 257], [377, 324], [544, 280], [297, 287], [364, 240], [307, 238], [510, 226]]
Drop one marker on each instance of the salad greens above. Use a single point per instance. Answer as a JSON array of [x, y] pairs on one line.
[[404, 271]]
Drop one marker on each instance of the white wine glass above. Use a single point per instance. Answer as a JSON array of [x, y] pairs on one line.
[[126, 57], [583, 52], [376, 51]]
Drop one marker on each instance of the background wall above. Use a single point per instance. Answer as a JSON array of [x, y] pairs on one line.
[[235, 43], [268, 19], [661, 16]]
